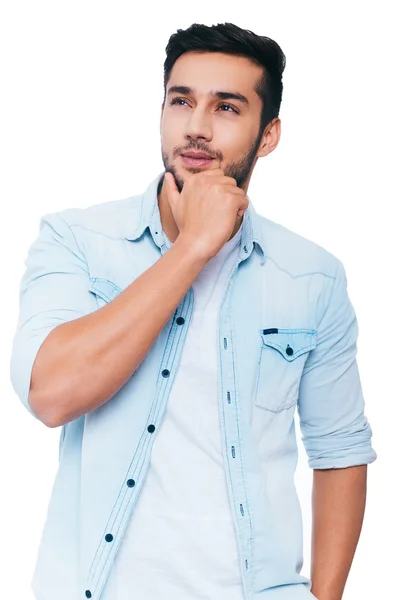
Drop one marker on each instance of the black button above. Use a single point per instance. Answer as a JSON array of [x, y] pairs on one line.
[[180, 320], [289, 351], [245, 249], [109, 537], [88, 594], [165, 373], [151, 428], [130, 483]]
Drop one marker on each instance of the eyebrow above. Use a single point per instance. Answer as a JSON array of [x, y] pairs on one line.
[[183, 89]]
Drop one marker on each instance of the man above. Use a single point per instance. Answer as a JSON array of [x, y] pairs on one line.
[[172, 336]]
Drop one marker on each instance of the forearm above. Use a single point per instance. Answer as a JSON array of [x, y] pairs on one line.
[[338, 503], [83, 363]]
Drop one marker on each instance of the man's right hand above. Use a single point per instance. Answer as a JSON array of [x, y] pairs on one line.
[[207, 209]]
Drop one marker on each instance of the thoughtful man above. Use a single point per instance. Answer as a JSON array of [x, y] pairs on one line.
[[172, 335]]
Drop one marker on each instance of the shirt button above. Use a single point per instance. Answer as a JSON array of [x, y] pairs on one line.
[[289, 351], [109, 537], [151, 428], [165, 373], [180, 320], [88, 594], [130, 482]]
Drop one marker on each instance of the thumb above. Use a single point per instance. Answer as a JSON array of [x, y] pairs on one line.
[[171, 189]]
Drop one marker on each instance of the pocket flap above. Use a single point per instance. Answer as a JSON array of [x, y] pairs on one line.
[[291, 343], [104, 288]]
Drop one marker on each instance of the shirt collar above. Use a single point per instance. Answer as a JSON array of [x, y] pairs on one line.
[[146, 213]]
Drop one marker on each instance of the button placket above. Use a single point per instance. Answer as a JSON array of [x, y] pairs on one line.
[[231, 418], [103, 556], [233, 449]]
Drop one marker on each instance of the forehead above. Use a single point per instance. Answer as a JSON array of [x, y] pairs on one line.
[[217, 71]]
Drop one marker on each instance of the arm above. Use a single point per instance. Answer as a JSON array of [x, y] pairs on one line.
[[337, 439], [69, 356], [338, 504]]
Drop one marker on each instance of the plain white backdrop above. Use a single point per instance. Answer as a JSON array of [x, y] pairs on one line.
[[80, 107]]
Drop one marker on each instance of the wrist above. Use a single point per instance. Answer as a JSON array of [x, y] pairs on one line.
[[195, 246]]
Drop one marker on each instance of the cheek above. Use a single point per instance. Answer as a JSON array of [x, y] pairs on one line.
[[167, 144], [234, 140], [173, 120], [171, 135]]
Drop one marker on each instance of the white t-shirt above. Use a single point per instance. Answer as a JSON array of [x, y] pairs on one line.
[[180, 542]]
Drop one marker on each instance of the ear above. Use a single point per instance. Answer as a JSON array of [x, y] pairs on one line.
[[270, 138]]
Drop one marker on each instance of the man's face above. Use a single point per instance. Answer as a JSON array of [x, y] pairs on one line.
[[228, 129]]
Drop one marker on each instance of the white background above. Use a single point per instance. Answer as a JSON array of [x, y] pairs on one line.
[[82, 90]]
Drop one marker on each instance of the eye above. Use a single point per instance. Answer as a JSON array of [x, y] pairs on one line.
[[224, 104], [229, 106], [176, 100]]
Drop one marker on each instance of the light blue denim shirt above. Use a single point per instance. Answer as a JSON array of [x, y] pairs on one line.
[[286, 338]]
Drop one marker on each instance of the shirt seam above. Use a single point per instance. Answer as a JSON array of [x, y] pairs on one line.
[[76, 241], [294, 276], [119, 237]]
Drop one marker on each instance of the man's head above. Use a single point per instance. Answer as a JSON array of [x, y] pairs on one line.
[[236, 125]]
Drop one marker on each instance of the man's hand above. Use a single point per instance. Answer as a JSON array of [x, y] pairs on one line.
[[207, 208]]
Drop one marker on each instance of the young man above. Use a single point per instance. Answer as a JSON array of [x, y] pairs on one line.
[[172, 336]]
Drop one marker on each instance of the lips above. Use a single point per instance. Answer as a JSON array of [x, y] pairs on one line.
[[196, 159], [197, 155]]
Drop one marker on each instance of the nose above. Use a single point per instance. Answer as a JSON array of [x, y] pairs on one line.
[[198, 125]]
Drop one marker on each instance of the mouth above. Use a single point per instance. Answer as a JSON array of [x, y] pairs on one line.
[[192, 159]]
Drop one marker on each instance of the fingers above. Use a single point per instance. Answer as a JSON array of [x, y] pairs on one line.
[[213, 171], [219, 172]]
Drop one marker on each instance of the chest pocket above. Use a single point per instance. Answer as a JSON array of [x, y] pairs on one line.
[[282, 357], [104, 290]]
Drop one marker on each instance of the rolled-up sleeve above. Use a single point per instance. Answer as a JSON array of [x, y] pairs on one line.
[[335, 430], [54, 289]]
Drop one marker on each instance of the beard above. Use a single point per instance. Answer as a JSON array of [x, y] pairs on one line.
[[239, 170]]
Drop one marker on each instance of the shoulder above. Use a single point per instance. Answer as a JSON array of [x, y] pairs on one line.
[[114, 218], [294, 253]]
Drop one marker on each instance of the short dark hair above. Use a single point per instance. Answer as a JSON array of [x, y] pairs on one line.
[[231, 39]]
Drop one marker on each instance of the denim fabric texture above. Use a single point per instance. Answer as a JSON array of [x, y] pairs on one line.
[[287, 341]]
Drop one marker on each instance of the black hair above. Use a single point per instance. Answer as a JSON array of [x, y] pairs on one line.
[[231, 39]]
